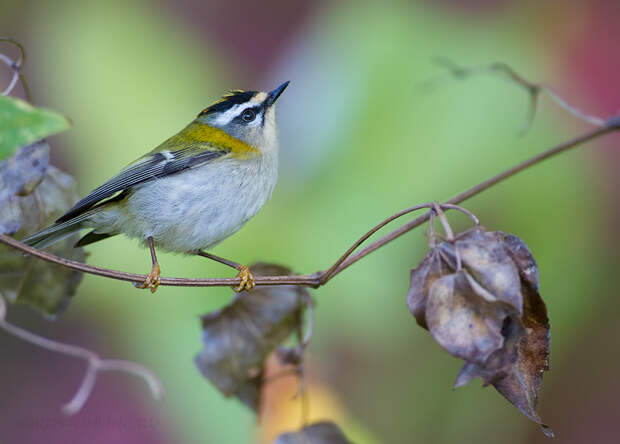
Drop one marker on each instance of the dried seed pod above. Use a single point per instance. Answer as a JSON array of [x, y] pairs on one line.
[[238, 338], [432, 267], [478, 296], [488, 263], [464, 322]]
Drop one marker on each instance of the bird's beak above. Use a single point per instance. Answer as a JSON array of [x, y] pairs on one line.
[[273, 95]]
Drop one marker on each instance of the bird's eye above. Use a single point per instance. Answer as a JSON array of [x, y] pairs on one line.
[[248, 115]]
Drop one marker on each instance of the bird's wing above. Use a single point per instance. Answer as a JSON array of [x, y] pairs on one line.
[[154, 165]]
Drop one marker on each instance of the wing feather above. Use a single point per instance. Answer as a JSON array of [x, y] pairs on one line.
[[153, 166]]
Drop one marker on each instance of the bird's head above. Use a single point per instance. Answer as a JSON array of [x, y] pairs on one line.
[[246, 115]]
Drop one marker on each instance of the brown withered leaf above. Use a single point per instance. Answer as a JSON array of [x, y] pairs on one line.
[[238, 338], [488, 313], [32, 194], [19, 176], [521, 386], [325, 432]]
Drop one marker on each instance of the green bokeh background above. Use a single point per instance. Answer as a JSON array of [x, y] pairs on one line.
[[360, 140]]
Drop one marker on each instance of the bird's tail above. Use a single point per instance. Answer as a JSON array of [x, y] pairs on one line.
[[56, 232]]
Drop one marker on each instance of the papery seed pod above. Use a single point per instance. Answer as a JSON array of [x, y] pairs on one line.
[[464, 322], [238, 338], [478, 296], [432, 267], [488, 263]]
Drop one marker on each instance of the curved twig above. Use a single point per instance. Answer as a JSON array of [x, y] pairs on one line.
[[442, 217], [325, 276], [11, 64], [611, 126], [534, 89], [305, 280], [465, 211], [95, 363]]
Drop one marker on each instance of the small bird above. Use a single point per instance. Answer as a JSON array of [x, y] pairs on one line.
[[191, 192]]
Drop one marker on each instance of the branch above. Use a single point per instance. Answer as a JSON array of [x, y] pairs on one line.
[[348, 258], [611, 126], [534, 89], [305, 280], [95, 363]]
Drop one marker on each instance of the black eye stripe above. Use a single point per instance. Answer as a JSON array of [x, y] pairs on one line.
[[247, 115]]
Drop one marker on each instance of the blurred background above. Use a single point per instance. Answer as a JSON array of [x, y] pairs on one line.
[[360, 140]]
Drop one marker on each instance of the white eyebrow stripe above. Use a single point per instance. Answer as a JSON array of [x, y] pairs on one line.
[[228, 116]]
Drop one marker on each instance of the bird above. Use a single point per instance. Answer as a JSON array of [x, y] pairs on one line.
[[192, 191]]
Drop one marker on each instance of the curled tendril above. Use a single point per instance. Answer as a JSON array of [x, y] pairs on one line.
[[15, 66]]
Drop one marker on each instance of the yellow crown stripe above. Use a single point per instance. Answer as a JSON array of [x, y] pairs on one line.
[[224, 98]]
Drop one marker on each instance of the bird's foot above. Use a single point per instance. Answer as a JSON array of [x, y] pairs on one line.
[[151, 281], [247, 280]]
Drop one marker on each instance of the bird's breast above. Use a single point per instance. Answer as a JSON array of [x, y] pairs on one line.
[[198, 208]]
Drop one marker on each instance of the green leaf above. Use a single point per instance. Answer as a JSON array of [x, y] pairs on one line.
[[22, 124]]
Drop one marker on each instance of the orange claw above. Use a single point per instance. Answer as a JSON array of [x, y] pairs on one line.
[[152, 279], [247, 280]]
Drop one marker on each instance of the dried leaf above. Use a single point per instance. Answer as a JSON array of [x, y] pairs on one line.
[[488, 312], [521, 386], [238, 338], [318, 433], [32, 194], [22, 124], [21, 173]]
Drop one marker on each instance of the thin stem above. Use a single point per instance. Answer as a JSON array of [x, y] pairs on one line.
[[431, 235], [448, 230], [612, 125], [305, 280], [22, 50], [442, 217], [329, 273], [11, 64], [533, 88], [305, 339], [95, 363], [462, 210], [17, 68]]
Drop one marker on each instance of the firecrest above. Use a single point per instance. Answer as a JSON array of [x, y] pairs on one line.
[[191, 192]]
